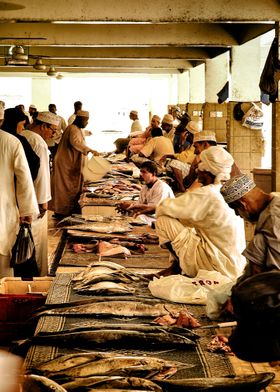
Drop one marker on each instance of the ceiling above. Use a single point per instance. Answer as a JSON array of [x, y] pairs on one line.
[[143, 36]]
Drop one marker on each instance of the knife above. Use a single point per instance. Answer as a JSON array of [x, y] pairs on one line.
[[220, 325]]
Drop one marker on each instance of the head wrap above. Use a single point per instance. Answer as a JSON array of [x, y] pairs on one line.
[[217, 161], [204, 136], [32, 106], [134, 112], [167, 119], [237, 187], [83, 113], [49, 118], [193, 127]]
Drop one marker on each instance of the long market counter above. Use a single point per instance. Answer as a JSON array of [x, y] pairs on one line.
[[199, 362]]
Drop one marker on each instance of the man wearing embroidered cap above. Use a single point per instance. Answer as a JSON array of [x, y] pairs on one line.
[[256, 206], [136, 127], [68, 166], [42, 128], [198, 227]]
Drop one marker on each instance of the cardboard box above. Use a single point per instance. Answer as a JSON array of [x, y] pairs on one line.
[[19, 299]]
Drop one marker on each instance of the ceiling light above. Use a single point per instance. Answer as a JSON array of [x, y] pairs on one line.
[[52, 71], [59, 76], [18, 54], [39, 66]]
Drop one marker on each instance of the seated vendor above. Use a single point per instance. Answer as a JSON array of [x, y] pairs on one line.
[[151, 194], [179, 163], [198, 227], [155, 148]]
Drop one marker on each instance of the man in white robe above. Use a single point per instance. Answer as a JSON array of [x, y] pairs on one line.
[[199, 227], [42, 129], [17, 196]]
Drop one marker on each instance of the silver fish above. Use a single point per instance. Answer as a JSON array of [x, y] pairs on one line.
[[114, 383], [100, 227], [106, 287], [35, 383], [90, 339], [117, 308], [113, 365], [147, 328]]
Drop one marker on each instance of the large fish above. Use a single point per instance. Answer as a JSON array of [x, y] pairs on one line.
[[102, 227], [90, 339], [117, 308], [147, 328], [112, 383], [111, 364], [105, 287], [35, 383]]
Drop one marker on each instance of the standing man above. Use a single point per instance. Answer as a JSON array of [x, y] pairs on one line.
[[135, 126], [69, 160], [77, 106], [53, 143], [44, 126], [17, 197]]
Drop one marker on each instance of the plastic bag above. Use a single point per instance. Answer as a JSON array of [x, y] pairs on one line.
[[23, 259], [181, 289], [253, 118]]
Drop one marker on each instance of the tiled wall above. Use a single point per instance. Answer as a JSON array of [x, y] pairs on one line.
[[245, 145], [215, 119]]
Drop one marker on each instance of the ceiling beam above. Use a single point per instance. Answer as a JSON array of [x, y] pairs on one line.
[[153, 11], [110, 35]]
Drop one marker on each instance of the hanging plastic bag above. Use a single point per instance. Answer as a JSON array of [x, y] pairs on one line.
[[253, 118], [23, 259]]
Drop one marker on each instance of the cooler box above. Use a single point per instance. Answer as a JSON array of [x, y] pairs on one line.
[[19, 299]]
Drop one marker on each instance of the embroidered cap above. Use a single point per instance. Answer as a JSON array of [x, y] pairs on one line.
[[204, 136], [193, 127], [134, 112], [237, 187], [49, 118]]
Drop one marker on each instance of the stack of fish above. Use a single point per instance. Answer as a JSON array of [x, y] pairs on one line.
[[108, 278]]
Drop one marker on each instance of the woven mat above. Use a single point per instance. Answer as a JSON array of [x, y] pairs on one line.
[[202, 363]]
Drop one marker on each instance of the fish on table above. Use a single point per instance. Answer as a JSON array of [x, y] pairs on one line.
[[110, 337], [147, 328], [105, 287], [113, 383], [84, 365], [117, 308]]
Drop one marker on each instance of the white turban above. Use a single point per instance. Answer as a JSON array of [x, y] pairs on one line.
[[217, 161]]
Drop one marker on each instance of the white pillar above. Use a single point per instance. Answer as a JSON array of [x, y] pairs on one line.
[[183, 88], [197, 84], [245, 71], [216, 76]]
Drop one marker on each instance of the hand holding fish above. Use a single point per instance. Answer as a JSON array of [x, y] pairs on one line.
[[123, 206]]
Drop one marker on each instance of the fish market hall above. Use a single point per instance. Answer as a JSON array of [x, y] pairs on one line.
[[139, 202]]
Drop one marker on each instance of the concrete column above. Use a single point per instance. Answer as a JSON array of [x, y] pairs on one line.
[[183, 88], [245, 71], [197, 84], [275, 172], [216, 76], [41, 92]]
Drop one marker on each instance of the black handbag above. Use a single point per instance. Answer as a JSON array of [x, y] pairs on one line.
[[23, 259]]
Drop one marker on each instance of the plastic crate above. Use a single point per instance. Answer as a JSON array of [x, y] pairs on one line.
[[19, 299]]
